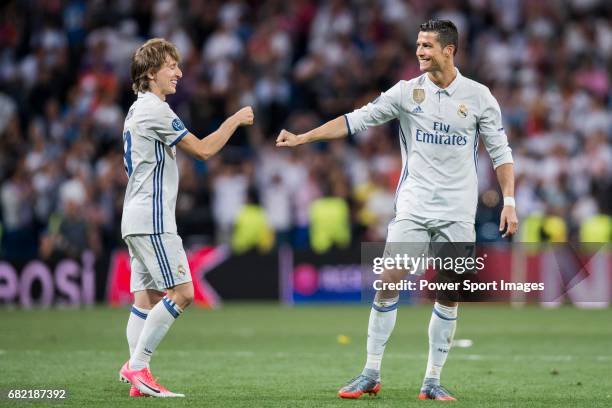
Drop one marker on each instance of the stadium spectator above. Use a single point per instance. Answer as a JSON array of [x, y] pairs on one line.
[[71, 231], [252, 230], [329, 220], [18, 238]]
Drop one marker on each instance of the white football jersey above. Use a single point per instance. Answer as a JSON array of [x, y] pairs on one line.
[[150, 133], [439, 132]]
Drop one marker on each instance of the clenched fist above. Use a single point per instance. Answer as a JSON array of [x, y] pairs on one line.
[[244, 116], [287, 139]]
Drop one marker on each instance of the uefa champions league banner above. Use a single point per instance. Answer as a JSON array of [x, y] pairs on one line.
[[550, 274]]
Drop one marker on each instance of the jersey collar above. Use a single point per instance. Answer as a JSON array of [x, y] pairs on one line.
[[147, 94], [450, 89]]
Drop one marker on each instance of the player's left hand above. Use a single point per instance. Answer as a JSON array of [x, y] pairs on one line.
[[508, 221], [245, 116], [286, 139]]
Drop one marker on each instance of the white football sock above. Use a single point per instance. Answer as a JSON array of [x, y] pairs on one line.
[[380, 326], [156, 326], [138, 316], [441, 331]]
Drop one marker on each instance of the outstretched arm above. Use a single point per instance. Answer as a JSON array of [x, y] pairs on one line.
[[505, 176], [334, 129], [381, 110], [205, 148]]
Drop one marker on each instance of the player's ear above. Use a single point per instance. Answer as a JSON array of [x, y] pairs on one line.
[[449, 50], [150, 75]]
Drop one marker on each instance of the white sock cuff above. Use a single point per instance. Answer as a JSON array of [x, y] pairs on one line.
[[445, 312], [385, 305], [172, 307], [140, 312]]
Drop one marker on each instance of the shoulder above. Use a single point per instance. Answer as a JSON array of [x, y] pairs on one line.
[[476, 87], [480, 92], [156, 105], [151, 108], [147, 102], [416, 82]]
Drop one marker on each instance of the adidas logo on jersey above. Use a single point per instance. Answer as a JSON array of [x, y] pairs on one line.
[[417, 109]]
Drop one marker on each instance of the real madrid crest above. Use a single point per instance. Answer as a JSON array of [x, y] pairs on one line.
[[462, 111], [418, 95], [181, 270]]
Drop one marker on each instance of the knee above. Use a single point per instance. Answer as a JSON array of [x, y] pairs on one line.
[[183, 295], [387, 277], [155, 299], [446, 300], [392, 275], [147, 299], [385, 295], [187, 299]]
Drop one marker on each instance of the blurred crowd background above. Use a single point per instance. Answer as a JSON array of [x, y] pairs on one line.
[[65, 88]]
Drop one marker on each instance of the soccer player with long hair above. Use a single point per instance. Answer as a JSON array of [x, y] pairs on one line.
[[160, 277]]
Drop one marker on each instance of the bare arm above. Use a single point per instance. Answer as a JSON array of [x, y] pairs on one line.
[[381, 110], [205, 148], [334, 129], [505, 177]]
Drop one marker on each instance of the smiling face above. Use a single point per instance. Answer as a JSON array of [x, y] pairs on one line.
[[164, 81], [430, 53], [155, 68]]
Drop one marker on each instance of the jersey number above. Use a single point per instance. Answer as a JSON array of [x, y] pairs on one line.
[[127, 152]]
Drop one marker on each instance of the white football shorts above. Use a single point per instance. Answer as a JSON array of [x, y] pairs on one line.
[[418, 237], [157, 261]]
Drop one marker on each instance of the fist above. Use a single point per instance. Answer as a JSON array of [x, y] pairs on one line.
[[245, 116], [286, 139]]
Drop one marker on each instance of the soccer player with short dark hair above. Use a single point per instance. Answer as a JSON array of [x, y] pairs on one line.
[[442, 115], [157, 258]]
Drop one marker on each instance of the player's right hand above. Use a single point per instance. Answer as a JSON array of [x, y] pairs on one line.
[[286, 139], [245, 116]]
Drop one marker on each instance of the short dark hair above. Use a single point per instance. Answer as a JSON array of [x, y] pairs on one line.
[[447, 32]]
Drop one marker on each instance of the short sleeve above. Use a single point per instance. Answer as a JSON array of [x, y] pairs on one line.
[[166, 126], [381, 110], [492, 131]]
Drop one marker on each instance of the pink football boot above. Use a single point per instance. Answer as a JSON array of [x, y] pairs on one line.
[[145, 383]]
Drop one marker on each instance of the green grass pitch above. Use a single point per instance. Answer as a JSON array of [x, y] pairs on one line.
[[264, 355]]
